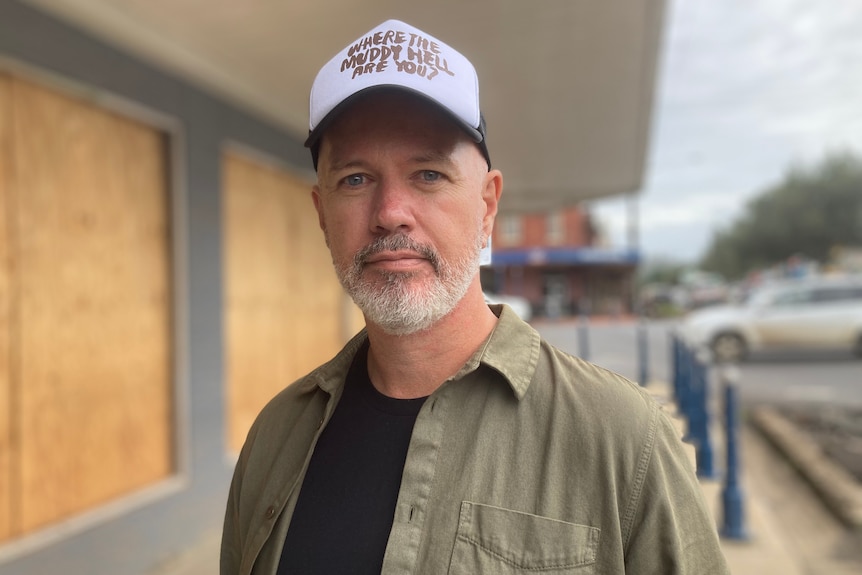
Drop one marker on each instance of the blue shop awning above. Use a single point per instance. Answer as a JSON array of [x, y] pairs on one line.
[[565, 256]]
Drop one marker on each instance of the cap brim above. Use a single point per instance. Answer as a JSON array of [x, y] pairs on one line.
[[313, 140]]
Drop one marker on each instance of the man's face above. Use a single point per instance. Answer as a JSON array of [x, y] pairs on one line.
[[406, 203]]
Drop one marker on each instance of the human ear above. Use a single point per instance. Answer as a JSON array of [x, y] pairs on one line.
[[491, 191], [315, 197]]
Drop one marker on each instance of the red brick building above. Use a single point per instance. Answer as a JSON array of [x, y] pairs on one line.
[[558, 262]]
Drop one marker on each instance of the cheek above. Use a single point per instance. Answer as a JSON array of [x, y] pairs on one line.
[[342, 240], [346, 214], [337, 219]]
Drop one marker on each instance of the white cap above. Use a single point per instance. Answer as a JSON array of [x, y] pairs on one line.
[[397, 55]]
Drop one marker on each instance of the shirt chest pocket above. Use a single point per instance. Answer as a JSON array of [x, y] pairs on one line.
[[497, 541]]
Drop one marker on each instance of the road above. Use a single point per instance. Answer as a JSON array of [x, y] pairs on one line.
[[834, 379]]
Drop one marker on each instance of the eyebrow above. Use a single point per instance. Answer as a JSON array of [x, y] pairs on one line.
[[432, 157], [337, 164]]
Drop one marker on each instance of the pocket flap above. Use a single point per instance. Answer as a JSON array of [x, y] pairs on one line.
[[528, 541]]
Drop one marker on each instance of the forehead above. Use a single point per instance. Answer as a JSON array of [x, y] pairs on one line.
[[393, 118]]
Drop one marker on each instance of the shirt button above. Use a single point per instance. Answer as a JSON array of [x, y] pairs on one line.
[[270, 511]]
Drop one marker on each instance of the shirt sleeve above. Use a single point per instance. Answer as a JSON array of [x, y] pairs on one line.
[[669, 529], [231, 542]]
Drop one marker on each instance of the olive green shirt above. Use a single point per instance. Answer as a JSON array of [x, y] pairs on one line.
[[528, 460]]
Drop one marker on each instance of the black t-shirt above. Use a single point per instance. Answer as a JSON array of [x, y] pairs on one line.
[[347, 501]]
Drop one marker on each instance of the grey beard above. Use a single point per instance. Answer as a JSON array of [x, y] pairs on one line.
[[399, 306]]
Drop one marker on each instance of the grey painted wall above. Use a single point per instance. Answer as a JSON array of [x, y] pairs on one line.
[[133, 541]]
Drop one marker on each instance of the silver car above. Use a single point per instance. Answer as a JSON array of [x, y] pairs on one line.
[[812, 314]]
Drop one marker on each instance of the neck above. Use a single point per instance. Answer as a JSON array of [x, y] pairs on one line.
[[415, 365]]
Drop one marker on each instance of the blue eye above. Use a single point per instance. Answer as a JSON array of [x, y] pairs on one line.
[[430, 175], [354, 180]]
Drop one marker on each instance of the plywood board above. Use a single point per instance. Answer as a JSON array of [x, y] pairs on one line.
[[323, 296], [7, 447], [283, 303], [95, 339]]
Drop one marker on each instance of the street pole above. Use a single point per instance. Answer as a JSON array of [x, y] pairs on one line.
[[643, 351], [732, 495]]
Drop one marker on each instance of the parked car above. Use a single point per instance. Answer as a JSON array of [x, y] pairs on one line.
[[520, 305], [812, 314], [698, 289]]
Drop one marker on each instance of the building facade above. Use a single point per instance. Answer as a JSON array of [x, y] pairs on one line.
[[163, 274], [160, 280], [558, 261]]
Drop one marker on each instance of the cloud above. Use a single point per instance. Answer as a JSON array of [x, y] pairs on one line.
[[746, 90]]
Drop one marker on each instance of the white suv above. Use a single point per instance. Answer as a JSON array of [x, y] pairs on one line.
[[813, 313]]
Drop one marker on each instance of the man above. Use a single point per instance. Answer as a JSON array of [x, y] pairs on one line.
[[447, 437]]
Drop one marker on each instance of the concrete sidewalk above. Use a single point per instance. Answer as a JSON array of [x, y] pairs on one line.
[[769, 550], [764, 552], [789, 528]]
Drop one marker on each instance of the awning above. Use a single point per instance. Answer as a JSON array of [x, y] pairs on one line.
[[566, 87], [565, 256]]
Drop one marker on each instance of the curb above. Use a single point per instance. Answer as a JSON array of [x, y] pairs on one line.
[[839, 490]]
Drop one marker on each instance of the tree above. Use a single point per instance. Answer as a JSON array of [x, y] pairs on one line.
[[809, 212]]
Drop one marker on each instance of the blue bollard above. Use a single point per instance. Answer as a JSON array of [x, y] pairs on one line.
[[703, 443], [678, 376], [694, 409], [681, 376], [691, 391], [687, 390], [693, 401], [674, 361], [732, 495], [583, 337], [643, 352]]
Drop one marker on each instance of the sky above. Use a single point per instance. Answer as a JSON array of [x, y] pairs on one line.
[[746, 90]]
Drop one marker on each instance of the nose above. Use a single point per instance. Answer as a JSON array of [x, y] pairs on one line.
[[393, 208]]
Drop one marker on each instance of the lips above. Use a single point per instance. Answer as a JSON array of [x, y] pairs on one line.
[[396, 252], [393, 256], [396, 261]]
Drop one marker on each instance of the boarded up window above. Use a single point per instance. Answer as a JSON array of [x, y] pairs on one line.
[[85, 307], [284, 307]]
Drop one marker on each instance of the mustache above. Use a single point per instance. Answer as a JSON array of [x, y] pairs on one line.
[[394, 243]]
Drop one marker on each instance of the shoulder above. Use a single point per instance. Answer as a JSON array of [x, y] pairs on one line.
[[605, 414], [593, 392], [536, 370], [566, 394]]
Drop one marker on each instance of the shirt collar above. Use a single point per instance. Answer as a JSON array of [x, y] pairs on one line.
[[330, 376], [512, 350]]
